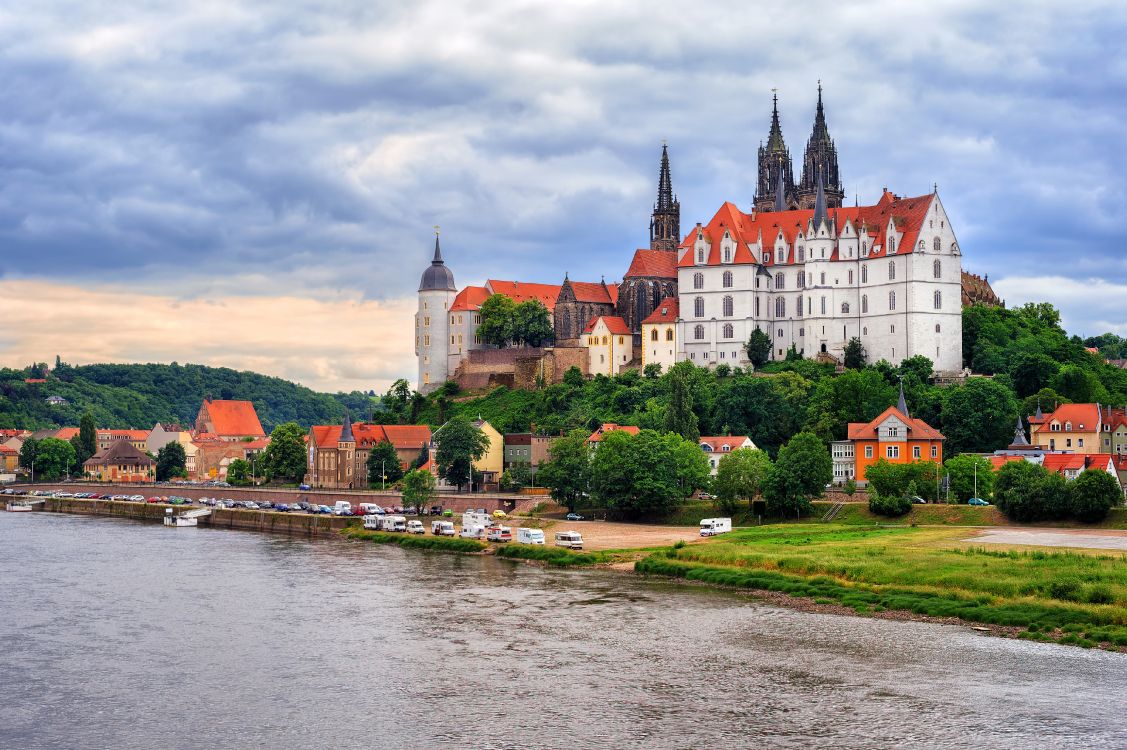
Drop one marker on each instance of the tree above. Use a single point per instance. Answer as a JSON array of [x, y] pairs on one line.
[[532, 324], [1026, 492], [855, 355], [917, 365], [28, 451], [968, 475], [497, 318], [1080, 385], [801, 472], [758, 348], [978, 417], [1031, 372], [679, 416], [54, 458], [87, 438], [885, 478], [740, 475], [418, 488], [424, 456], [172, 461], [238, 472], [645, 475], [383, 465], [285, 456], [652, 371], [573, 377], [459, 443], [889, 505], [1092, 494], [566, 470]]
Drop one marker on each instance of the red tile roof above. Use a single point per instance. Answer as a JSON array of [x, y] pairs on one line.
[[614, 324], [660, 264], [521, 291], [234, 418], [6, 451], [716, 444], [917, 428], [66, 433], [597, 435], [998, 461], [470, 298], [766, 228], [1078, 414], [403, 437], [666, 312], [599, 292], [1062, 462]]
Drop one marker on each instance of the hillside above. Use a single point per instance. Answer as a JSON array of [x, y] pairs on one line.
[[137, 396]]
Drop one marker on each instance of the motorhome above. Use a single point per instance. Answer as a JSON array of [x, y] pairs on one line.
[[473, 532], [500, 534], [373, 522], [530, 536], [442, 528], [342, 508], [569, 539], [714, 526], [415, 527], [394, 523], [476, 518]]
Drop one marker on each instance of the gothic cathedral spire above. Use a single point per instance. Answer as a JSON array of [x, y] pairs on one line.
[[820, 159], [665, 224], [775, 169]]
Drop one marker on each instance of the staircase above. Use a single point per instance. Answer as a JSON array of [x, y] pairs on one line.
[[831, 514]]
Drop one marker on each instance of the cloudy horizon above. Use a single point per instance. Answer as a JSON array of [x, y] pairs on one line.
[[274, 171]]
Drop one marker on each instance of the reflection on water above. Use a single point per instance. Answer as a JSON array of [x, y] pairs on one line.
[[126, 635]]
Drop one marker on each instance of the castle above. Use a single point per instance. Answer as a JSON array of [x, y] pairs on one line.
[[799, 266]]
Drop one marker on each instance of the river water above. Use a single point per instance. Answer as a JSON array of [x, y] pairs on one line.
[[120, 634]]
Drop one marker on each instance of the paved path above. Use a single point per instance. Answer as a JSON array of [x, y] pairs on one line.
[[1088, 539]]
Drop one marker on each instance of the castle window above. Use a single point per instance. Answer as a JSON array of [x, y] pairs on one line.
[[669, 334], [938, 299], [845, 308], [891, 270], [700, 255], [780, 281], [477, 338], [727, 255], [937, 328], [728, 306], [801, 254], [727, 279], [780, 335], [698, 332], [936, 244], [892, 300], [822, 277], [606, 340], [801, 279], [729, 331], [865, 249], [865, 331], [698, 307], [698, 281], [801, 332], [923, 246], [892, 244], [757, 307], [954, 249], [780, 307], [426, 320], [766, 257], [850, 277], [864, 274], [653, 335], [426, 340], [937, 266]]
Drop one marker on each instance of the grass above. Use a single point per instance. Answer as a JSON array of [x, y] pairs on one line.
[[925, 571], [556, 556], [443, 543]]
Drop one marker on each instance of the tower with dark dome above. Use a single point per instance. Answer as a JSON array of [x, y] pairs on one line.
[[432, 321]]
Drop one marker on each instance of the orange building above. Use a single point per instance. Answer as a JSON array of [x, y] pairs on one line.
[[893, 436], [228, 420]]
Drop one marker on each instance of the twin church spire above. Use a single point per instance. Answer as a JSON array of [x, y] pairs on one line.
[[665, 223], [776, 189]]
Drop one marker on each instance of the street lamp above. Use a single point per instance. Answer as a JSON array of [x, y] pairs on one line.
[[383, 475]]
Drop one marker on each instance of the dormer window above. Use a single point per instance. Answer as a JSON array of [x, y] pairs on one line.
[[892, 244], [766, 257], [1068, 426], [727, 255], [700, 255]]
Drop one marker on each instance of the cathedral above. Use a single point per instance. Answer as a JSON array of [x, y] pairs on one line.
[[799, 266]]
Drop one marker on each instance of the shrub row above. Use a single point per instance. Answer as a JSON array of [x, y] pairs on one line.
[[444, 543], [889, 505], [557, 556], [978, 609]]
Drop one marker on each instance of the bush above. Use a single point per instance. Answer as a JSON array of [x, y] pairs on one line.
[[446, 544], [896, 505], [1092, 494], [1066, 589], [1099, 594], [556, 556]]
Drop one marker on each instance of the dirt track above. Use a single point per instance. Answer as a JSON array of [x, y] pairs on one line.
[[1077, 538], [599, 535]]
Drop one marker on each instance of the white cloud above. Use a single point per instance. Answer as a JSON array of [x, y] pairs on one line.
[[1088, 307]]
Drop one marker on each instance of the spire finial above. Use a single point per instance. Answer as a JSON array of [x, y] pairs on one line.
[[437, 249], [819, 203]]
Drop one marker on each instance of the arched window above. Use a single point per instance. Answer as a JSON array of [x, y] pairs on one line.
[[801, 254], [653, 335], [729, 331], [698, 307], [954, 249], [728, 306], [864, 303], [698, 281], [865, 331], [780, 307], [892, 244], [850, 277], [700, 255], [937, 268], [698, 332], [864, 274], [937, 328], [892, 300], [891, 270], [823, 305], [780, 281], [727, 279], [938, 299], [727, 255], [801, 279], [845, 308], [605, 341], [864, 248], [923, 246], [936, 244], [669, 334]]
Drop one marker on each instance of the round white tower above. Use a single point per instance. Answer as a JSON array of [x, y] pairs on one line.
[[432, 322]]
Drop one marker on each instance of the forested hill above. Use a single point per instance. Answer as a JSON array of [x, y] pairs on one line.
[[137, 396]]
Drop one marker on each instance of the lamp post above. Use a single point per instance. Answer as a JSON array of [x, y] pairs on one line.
[[383, 475]]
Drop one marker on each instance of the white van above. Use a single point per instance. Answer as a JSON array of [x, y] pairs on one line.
[[372, 522], [442, 528], [714, 526], [415, 527], [530, 536], [394, 523], [569, 539], [342, 508], [473, 532], [368, 509], [476, 518]]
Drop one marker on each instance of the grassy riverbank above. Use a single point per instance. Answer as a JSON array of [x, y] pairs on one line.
[[1066, 596], [442, 543]]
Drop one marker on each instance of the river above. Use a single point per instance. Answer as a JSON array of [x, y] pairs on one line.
[[120, 634]]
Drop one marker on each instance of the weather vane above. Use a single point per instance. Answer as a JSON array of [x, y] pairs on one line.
[[436, 230]]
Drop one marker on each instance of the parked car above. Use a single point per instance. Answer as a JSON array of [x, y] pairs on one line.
[[917, 500], [325, 509], [977, 501], [304, 487], [573, 517], [499, 514], [282, 508]]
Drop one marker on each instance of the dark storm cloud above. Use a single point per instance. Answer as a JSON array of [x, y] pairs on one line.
[[244, 147]]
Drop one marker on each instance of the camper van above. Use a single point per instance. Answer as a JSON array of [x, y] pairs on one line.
[[569, 539], [530, 536], [394, 523], [372, 522], [500, 534], [415, 527], [473, 532], [714, 526], [476, 518], [442, 528]]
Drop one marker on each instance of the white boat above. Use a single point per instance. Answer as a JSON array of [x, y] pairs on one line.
[[18, 506], [185, 519]]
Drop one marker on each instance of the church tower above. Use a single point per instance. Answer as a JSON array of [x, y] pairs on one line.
[[775, 189], [820, 158], [346, 454], [432, 322], [665, 224]]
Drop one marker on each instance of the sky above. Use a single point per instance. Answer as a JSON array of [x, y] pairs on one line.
[[255, 184]]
